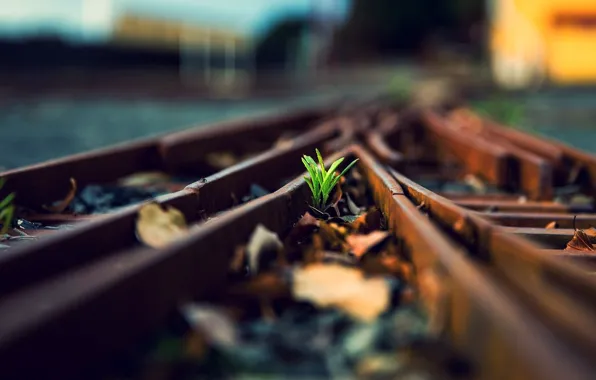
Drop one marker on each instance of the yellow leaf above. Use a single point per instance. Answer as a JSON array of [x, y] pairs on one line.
[[331, 285], [157, 227]]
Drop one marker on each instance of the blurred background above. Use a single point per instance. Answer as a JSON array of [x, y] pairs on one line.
[[82, 74]]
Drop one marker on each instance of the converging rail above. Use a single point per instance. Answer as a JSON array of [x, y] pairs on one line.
[[481, 213]]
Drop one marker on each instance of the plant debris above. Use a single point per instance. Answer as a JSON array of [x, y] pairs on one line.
[[552, 225], [143, 179], [262, 247], [157, 227], [60, 206], [582, 240], [346, 288]]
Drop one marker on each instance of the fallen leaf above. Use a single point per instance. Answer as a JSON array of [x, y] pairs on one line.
[[285, 141], [352, 207], [60, 206], [591, 234], [144, 179], [302, 229], [381, 265], [333, 238], [263, 248], [157, 227], [361, 244], [552, 225], [238, 260], [263, 285], [342, 230], [337, 194], [332, 285], [221, 160], [580, 242], [212, 323], [368, 222]]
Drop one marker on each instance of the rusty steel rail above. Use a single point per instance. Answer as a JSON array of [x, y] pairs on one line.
[[108, 165], [561, 290], [511, 299], [174, 153]]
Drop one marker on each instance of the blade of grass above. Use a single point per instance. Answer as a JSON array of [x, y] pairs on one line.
[[7, 201]]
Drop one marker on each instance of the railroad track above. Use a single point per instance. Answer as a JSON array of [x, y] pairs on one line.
[[467, 201]]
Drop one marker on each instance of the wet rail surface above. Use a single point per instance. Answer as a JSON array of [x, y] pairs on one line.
[[473, 203]]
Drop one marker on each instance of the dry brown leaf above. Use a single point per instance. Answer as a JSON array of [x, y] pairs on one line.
[[263, 248], [361, 244], [302, 229], [60, 206], [157, 227], [332, 285], [333, 238], [552, 225], [263, 285], [580, 242], [591, 233], [337, 194], [368, 222], [381, 265], [238, 260]]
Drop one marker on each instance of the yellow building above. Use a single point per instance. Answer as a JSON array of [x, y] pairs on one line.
[[537, 40], [134, 29]]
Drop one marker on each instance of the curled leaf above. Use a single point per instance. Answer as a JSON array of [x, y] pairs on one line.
[[552, 225], [361, 244], [60, 206], [330, 285], [580, 242], [591, 234], [263, 247], [352, 207], [157, 227]]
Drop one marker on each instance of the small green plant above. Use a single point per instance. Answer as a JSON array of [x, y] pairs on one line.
[[321, 181], [6, 210]]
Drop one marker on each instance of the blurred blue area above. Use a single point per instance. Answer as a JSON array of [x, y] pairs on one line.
[[91, 20]]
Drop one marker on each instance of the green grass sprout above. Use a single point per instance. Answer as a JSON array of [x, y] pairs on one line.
[[321, 181], [6, 210]]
